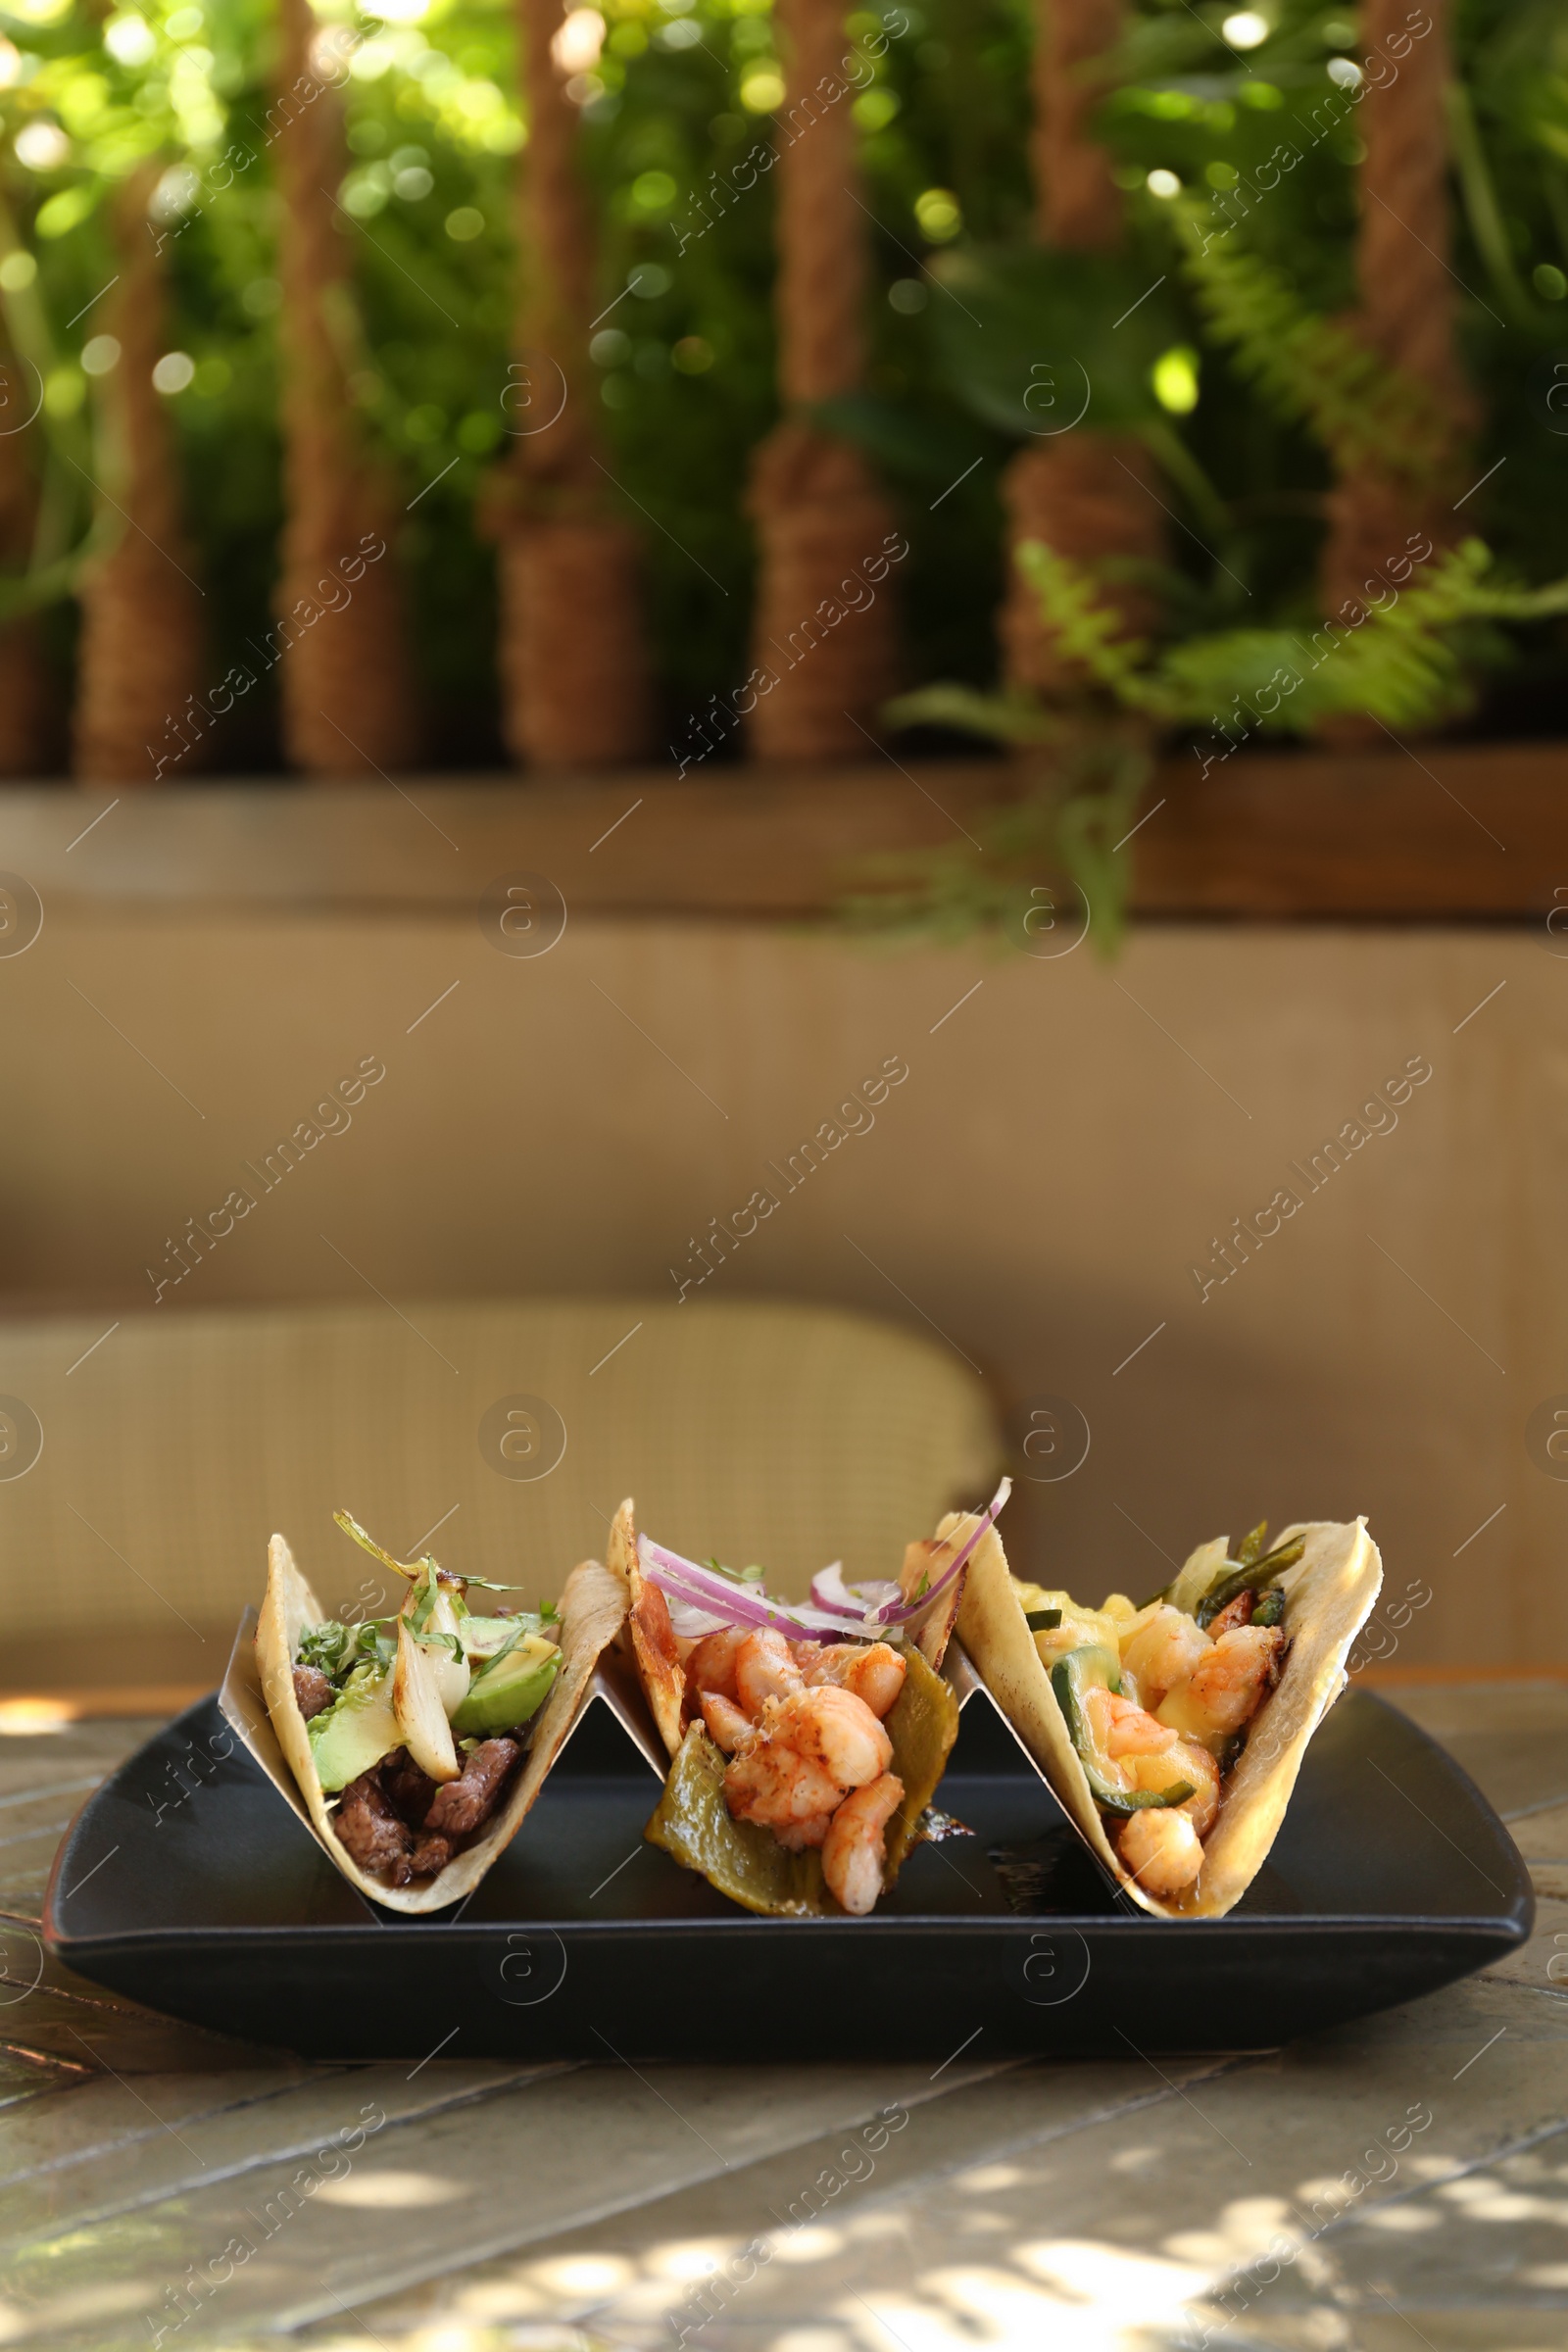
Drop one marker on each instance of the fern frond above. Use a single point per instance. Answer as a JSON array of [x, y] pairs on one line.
[[1013, 716], [1085, 630], [1399, 664], [1406, 662], [1311, 369]]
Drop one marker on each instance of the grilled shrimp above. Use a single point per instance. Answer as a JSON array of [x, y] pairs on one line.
[[1230, 1683], [1164, 1653], [833, 1730], [711, 1664], [874, 1672], [1161, 1848], [854, 1849], [1182, 1760], [730, 1726], [1123, 1729], [773, 1785], [797, 1835], [764, 1669]]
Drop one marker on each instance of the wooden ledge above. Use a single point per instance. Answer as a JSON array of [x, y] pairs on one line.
[[30, 1714], [1450, 832]]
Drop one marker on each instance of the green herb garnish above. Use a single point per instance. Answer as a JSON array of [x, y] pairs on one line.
[[412, 1569]]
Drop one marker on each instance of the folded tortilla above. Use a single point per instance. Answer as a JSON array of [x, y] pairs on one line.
[[592, 1607], [647, 1631], [1328, 1597]]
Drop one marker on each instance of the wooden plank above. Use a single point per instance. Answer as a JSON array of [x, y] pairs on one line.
[[1445, 831], [458, 2182], [1044, 2206], [115, 2150]]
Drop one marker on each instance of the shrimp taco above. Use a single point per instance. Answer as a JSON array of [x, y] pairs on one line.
[[419, 1741], [1173, 1732], [806, 1741]]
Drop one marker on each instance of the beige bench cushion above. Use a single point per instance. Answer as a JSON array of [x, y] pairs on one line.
[[788, 1435]]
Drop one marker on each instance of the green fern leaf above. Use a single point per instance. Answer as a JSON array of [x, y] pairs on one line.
[[1311, 369]]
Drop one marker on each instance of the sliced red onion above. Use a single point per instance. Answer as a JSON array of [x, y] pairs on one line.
[[830, 1592], [903, 1612], [708, 1594], [690, 1625], [733, 1604]]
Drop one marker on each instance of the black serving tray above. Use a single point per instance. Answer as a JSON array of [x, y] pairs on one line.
[[188, 1882]]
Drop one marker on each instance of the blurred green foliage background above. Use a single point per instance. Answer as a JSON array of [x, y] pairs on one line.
[[672, 93]]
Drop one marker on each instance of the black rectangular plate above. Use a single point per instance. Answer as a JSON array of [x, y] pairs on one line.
[[186, 1882]]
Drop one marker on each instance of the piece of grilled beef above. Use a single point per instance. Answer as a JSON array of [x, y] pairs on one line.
[[371, 1831], [313, 1692], [431, 1852], [463, 1803], [409, 1787]]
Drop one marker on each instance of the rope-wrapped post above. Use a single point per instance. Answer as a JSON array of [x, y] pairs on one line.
[[29, 713], [573, 655], [140, 651], [340, 639], [1087, 495], [823, 632], [1405, 290]]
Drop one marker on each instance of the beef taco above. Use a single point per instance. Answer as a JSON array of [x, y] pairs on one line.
[[805, 1742], [1173, 1732], [419, 1741]]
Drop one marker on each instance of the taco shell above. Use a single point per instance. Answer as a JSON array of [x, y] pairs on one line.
[[647, 1631], [1328, 1597], [592, 1607]]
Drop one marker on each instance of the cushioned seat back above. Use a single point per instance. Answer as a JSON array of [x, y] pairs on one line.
[[787, 1434]]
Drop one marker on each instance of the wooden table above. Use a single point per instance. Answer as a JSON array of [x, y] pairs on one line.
[[1398, 2182]]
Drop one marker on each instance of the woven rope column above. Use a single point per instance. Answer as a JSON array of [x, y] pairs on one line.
[[29, 717], [820, 517], [1087, 495], [140, 656], [1407, 294], [573, 658], [348, 703]]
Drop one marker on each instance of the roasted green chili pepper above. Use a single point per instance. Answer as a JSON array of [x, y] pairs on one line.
[[1247, 1576], [1041, 1621], [1270, 1608]]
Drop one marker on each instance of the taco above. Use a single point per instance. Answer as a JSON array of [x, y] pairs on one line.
[[805, 1742], [419, 1741], [1172, 1734]]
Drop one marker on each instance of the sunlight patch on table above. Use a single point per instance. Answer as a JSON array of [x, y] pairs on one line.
[[1084, 2296], [684, 2259], [987, 2179], [809, 2245], [581, 2274], [1246, 2229], [77, 2307], [390, 2191], [1406, 2221]]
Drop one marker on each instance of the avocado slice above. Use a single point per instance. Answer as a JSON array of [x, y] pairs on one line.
[[504, 1695], [357, 1731], [483, 1636]]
